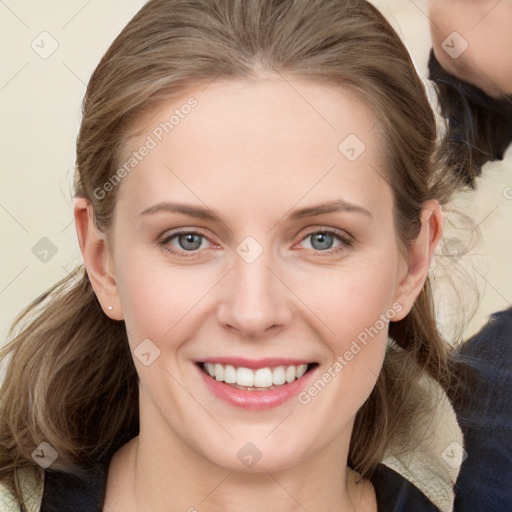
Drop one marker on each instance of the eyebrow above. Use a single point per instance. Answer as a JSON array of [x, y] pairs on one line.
[[193, 211], [338, 205]]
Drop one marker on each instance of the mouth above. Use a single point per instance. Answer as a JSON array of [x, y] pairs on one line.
[[260, 379], [258, 388]]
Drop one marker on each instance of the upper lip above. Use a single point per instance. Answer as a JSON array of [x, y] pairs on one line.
[[255, 363]]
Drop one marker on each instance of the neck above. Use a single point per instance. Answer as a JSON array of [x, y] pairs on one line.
[[143, 476]]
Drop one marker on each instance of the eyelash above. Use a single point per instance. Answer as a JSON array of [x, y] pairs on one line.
[[345, 242]]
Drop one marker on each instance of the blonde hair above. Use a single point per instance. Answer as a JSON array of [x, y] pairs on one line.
[[70, 380]]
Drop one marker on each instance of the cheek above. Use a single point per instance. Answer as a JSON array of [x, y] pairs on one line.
[[352, 298], [361, 323], [353, 314], [159, 299]]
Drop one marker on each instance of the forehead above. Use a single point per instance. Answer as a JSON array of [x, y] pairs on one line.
[[276, 138]]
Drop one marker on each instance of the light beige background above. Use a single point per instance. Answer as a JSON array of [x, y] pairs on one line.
[[40, 112]]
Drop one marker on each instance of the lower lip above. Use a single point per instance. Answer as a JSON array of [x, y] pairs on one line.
[[256, 400]]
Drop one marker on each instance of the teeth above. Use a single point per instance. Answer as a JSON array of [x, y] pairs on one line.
[[290, 374], [301, 370], [219, 372], [279, 375], [263, 378], [260, 378], [244, 377], [229, 374], [210, 368]]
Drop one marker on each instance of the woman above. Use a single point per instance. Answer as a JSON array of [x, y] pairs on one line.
[[258, 198]]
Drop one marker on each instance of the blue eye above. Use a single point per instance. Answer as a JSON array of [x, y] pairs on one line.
[[188, 241], [322, 241]]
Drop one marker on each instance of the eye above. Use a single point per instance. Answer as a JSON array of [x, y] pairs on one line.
[[181, 242], [322, 241]]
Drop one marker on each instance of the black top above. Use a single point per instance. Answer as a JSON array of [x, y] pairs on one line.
[[484, 413]]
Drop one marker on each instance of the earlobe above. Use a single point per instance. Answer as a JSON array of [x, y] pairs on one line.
[[420, 256], [97, 258]]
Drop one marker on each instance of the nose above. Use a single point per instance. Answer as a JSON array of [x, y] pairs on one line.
[[256, 301]]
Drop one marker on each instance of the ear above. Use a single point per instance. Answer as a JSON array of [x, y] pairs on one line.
[[97, 258], [420, 256]]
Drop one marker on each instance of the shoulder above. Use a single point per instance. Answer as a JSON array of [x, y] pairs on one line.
[[32, 484], [485, 365], [482, 459], [78, 489], [494, 339], [81, 488], [484, 412]]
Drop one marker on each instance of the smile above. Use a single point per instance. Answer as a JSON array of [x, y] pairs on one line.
[[262, 378], [255, 388]]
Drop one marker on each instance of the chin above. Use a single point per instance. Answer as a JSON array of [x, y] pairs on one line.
[[257, 455]]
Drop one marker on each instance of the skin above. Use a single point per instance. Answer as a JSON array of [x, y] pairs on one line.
[[252, 151], [486, 26]]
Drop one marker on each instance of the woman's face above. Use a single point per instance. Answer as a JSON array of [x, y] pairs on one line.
[[291, 258]]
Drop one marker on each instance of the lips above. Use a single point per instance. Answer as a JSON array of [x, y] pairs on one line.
[[269, 382]]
